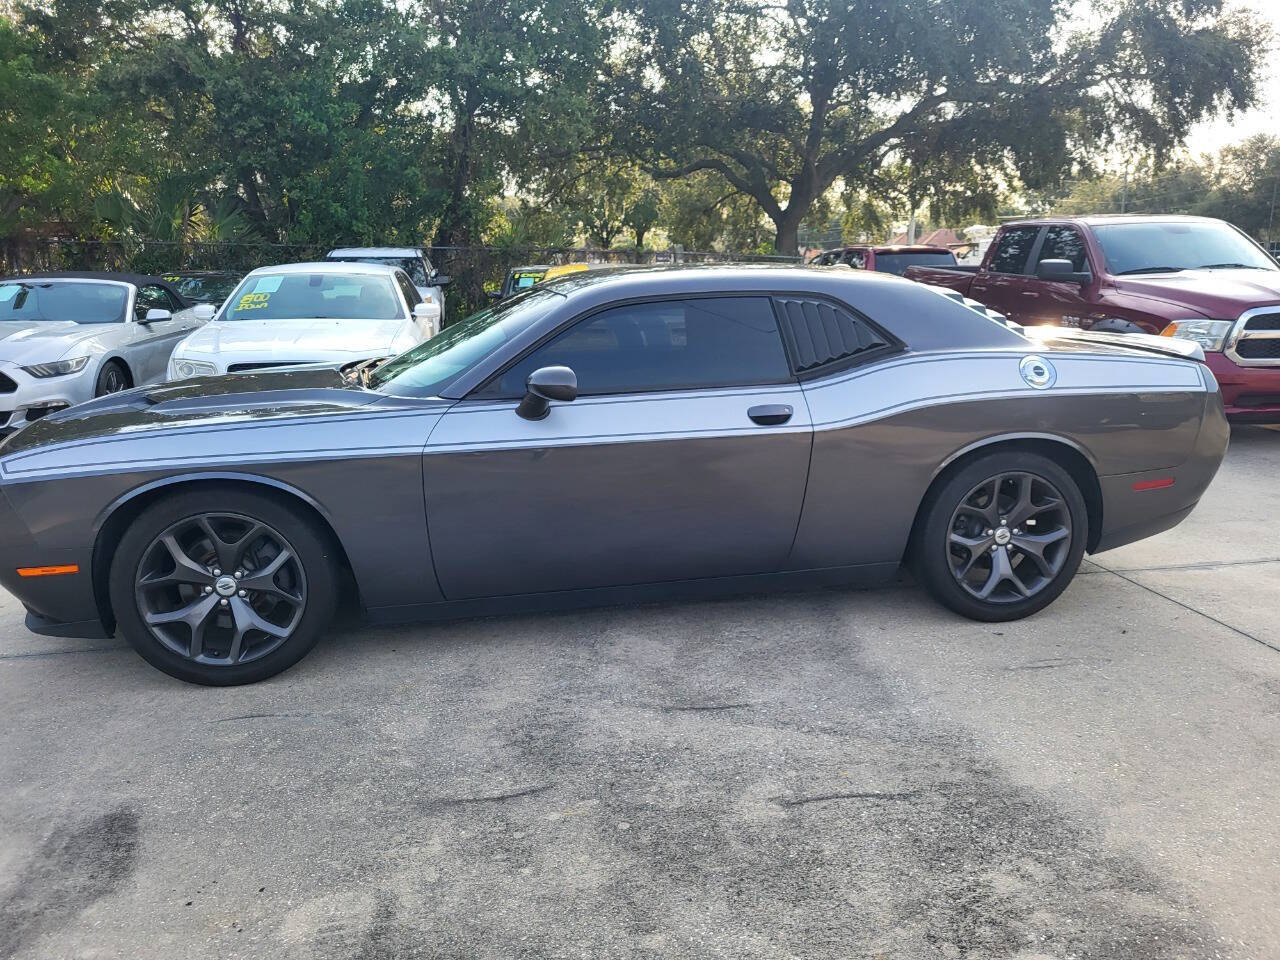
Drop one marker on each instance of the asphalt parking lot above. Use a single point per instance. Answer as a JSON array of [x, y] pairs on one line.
[[832, 774]]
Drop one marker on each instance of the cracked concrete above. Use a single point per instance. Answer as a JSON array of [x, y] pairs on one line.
[[832, 774]]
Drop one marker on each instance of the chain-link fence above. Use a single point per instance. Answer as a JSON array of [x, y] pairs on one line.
[[472, 270]]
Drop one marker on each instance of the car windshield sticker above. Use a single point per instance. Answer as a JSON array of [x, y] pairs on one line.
[[260, 295]]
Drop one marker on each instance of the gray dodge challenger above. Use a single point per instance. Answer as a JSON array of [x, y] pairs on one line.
[[608, 437]]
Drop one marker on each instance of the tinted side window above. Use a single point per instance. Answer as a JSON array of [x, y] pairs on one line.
[[819, 333], [410, 292], [1064, 243], [856, 259], [151, 297], [1013, 249], [663, 345]]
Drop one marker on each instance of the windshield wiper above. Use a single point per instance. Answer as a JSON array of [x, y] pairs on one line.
[[1125, 273], [1228, 266]]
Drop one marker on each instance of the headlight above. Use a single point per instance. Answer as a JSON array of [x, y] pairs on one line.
[[59, 368], [185, 369], [1210, 334]]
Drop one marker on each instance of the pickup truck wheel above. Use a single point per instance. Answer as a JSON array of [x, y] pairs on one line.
[[224, 589], [1003, 536]]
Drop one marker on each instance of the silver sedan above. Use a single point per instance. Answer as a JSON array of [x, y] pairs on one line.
[[68, 337]]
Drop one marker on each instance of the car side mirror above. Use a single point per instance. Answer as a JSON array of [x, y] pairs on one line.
[[544, 385], [204, 311], [441, 280], [426, 310], [1060, 271], [494, 295], [157, 313]]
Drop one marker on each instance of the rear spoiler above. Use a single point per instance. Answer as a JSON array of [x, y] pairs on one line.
[[1146, 342]]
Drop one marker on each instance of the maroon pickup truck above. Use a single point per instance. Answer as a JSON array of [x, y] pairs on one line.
[[1188, 277]]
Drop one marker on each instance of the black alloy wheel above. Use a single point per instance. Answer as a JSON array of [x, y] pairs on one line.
[[223, 587], [1010, 536], [1001, 537], [112, 378]]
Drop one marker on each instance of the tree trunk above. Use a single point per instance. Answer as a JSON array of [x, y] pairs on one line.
[[786, 240]]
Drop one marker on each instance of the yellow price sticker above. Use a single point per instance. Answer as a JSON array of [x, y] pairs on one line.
[[253, 301]]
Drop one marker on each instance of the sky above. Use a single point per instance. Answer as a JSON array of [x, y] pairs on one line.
[[1209, 136]]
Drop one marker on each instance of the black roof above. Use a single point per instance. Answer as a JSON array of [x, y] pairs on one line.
[[137, 279]]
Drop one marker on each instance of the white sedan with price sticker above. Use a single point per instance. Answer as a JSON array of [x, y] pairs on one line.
[[334, 313]]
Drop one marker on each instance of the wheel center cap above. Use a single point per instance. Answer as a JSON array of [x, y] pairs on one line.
[[225, 586], [1002, 536]]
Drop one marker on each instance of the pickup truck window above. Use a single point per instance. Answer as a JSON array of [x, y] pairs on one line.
[[898, 262], [1169, 246], [1013, 250], [1064, 243]]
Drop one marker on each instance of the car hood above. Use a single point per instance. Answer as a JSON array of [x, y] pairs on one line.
[[255, 397], [292, 339], [1216, 294], [39, 341]]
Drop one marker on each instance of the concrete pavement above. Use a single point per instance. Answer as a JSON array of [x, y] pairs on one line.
[[832, 774]]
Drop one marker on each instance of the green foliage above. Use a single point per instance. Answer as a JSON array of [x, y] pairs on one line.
[[1240, 185], [782, 100], [719, 123]]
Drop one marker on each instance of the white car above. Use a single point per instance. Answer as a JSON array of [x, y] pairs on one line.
[[326, 312], [427, 280], [69, 337]]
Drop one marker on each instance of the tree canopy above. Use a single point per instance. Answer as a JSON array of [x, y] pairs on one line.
[[467, 121]]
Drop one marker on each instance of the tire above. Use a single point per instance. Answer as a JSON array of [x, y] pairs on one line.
[[238, 626], [113, 377], [960, 526]]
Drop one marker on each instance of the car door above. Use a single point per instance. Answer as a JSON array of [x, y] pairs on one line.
[[684, 456], [152, 343], [1064, 304], [1005, 285]]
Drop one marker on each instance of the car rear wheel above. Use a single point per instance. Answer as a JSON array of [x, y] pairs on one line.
[[1002, 537], [112, 378], [222, 587]]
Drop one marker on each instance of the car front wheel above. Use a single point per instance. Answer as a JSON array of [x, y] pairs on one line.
[[112, 378], [222, 587], [1003, 536]]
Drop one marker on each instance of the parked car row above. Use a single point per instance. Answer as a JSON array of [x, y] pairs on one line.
[[1187, 278], [68, 337]]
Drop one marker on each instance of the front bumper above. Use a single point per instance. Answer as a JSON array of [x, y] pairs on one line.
[[59, 606], [1249, 394], [33, 397]]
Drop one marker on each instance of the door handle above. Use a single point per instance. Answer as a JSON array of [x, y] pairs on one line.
[[770, 414], [1030, 293]]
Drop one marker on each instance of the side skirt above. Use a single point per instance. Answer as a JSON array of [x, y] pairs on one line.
[[860, 575]]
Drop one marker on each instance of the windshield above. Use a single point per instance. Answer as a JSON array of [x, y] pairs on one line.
[[49, 300], [410, 265], [314, 296], [430, 366], [898, 262], [1163, 247], [207, 289]]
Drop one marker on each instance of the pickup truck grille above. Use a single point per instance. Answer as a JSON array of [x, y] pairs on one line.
[[1255, 339], [1263, 321], [1256, 349]]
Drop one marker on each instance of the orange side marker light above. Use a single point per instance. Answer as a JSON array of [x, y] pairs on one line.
[[54, 571]]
